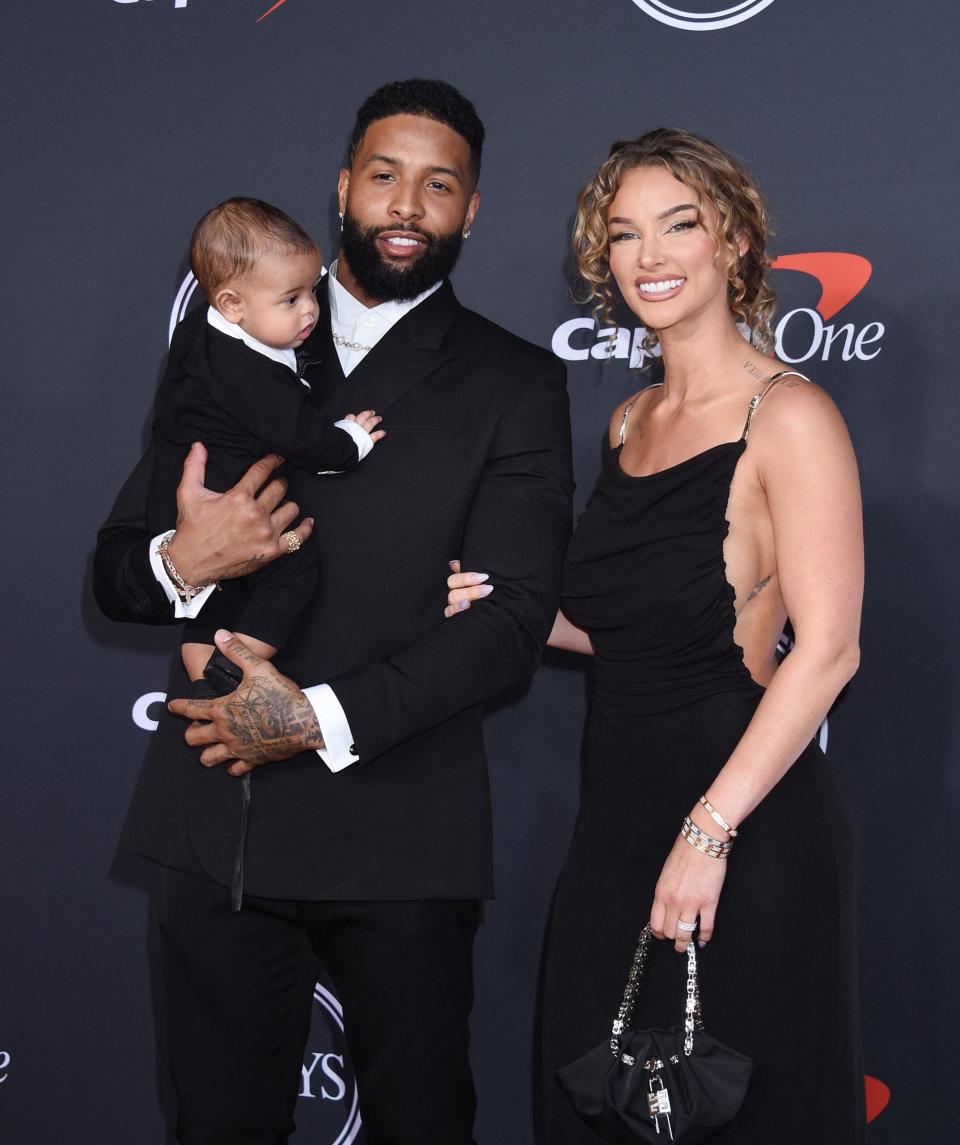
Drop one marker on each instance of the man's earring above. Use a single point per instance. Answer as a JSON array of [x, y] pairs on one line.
[[466, 234], [341, 219]]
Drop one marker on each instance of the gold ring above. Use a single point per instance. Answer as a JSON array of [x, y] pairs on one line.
[[292, 541]]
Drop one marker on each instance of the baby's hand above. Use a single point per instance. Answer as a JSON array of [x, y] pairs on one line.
[[368, 420]]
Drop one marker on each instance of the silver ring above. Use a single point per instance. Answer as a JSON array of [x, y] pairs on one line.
[[688, 927], [291, 540]]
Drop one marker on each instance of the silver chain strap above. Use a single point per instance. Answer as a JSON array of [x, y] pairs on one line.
[[693, 1019], [693, 1012]]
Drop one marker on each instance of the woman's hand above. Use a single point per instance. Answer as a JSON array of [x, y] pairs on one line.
[[689, 886], [464, 587]]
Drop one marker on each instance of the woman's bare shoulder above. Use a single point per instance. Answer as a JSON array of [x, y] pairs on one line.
[[796, 405], [798, 422]]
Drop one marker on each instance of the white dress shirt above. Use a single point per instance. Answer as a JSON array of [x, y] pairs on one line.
[[364, 326]]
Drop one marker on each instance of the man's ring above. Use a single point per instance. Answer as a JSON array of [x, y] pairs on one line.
[[688, 927], [291, 540]]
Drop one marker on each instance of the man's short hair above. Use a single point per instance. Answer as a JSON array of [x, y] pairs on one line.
[[235, 235], [432, 99]]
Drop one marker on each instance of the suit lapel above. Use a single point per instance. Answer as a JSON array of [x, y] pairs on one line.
[[409, 352], [317, 359]]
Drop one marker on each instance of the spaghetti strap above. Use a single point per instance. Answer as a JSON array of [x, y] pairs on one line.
[[622, 431], [758, 398]]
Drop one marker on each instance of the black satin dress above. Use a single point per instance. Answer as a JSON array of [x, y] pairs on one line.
[[645, 576]]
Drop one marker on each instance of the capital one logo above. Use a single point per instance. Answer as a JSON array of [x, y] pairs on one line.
[[801, 334], [703, 17]]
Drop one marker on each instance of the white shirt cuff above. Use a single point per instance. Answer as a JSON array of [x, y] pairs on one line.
[[180, 610], [338, 751], [362, 439]]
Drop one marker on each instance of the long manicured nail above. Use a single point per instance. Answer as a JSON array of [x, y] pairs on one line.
[[222, 636], [461, 605], [479, 578], [484, 590], [701, 943]]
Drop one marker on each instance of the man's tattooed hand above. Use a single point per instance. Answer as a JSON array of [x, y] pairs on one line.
[[265, 720]]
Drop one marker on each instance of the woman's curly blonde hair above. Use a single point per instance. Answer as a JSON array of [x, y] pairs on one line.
[[717, 179]]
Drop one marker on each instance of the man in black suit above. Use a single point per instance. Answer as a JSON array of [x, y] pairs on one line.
[[375, 855]]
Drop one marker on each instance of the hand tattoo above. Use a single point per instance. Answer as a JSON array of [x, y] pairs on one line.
[[271, 719], [244, 568], [265, 720]]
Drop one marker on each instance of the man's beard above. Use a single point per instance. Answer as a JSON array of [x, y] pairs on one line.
[[389, 283]]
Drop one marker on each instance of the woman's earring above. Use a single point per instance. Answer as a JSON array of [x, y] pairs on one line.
[[341, 219], [467, 233]]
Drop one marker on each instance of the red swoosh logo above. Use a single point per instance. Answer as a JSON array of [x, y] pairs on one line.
[[878, 1097], [841, 276], [279, 4]]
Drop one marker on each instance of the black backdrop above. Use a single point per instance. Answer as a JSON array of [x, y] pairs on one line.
[[124, 120]]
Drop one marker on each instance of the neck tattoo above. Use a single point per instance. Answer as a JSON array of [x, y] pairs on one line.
[[756, 372]]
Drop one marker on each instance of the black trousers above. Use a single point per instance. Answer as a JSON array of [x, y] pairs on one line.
[[239, 995]]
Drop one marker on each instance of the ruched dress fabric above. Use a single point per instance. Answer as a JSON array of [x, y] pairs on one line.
[[646, 578]]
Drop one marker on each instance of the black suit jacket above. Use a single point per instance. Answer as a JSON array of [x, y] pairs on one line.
[[476, 464], [241, 405]]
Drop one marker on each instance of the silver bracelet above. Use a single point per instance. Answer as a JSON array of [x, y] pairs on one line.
[[704, 843], [185, 591], [717, 817]]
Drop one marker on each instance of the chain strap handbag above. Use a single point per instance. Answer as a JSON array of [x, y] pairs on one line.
[[658, 1085]]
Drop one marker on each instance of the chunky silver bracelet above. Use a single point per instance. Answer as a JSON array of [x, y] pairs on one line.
[[185, 591]]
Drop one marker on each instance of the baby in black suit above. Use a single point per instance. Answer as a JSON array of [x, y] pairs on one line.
[[231, 382]]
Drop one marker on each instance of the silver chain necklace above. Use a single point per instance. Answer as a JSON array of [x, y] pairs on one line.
[[339, 340]]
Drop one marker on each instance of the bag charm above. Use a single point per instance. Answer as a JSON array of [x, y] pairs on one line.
[[658, 1099]]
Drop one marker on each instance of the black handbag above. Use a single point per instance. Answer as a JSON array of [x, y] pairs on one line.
[[658, 1085]]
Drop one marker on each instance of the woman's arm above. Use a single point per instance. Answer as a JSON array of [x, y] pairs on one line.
[[806, 465], [569, 637], [466, 587]]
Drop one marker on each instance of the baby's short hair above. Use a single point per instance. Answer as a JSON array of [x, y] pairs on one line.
[[230, 239]]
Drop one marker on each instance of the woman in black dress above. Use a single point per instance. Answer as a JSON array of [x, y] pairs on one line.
[[728, 502]]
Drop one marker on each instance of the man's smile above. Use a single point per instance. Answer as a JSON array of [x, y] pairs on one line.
[[401, 244]]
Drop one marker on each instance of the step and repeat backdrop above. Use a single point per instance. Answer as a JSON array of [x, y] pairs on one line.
[[123, 121]]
